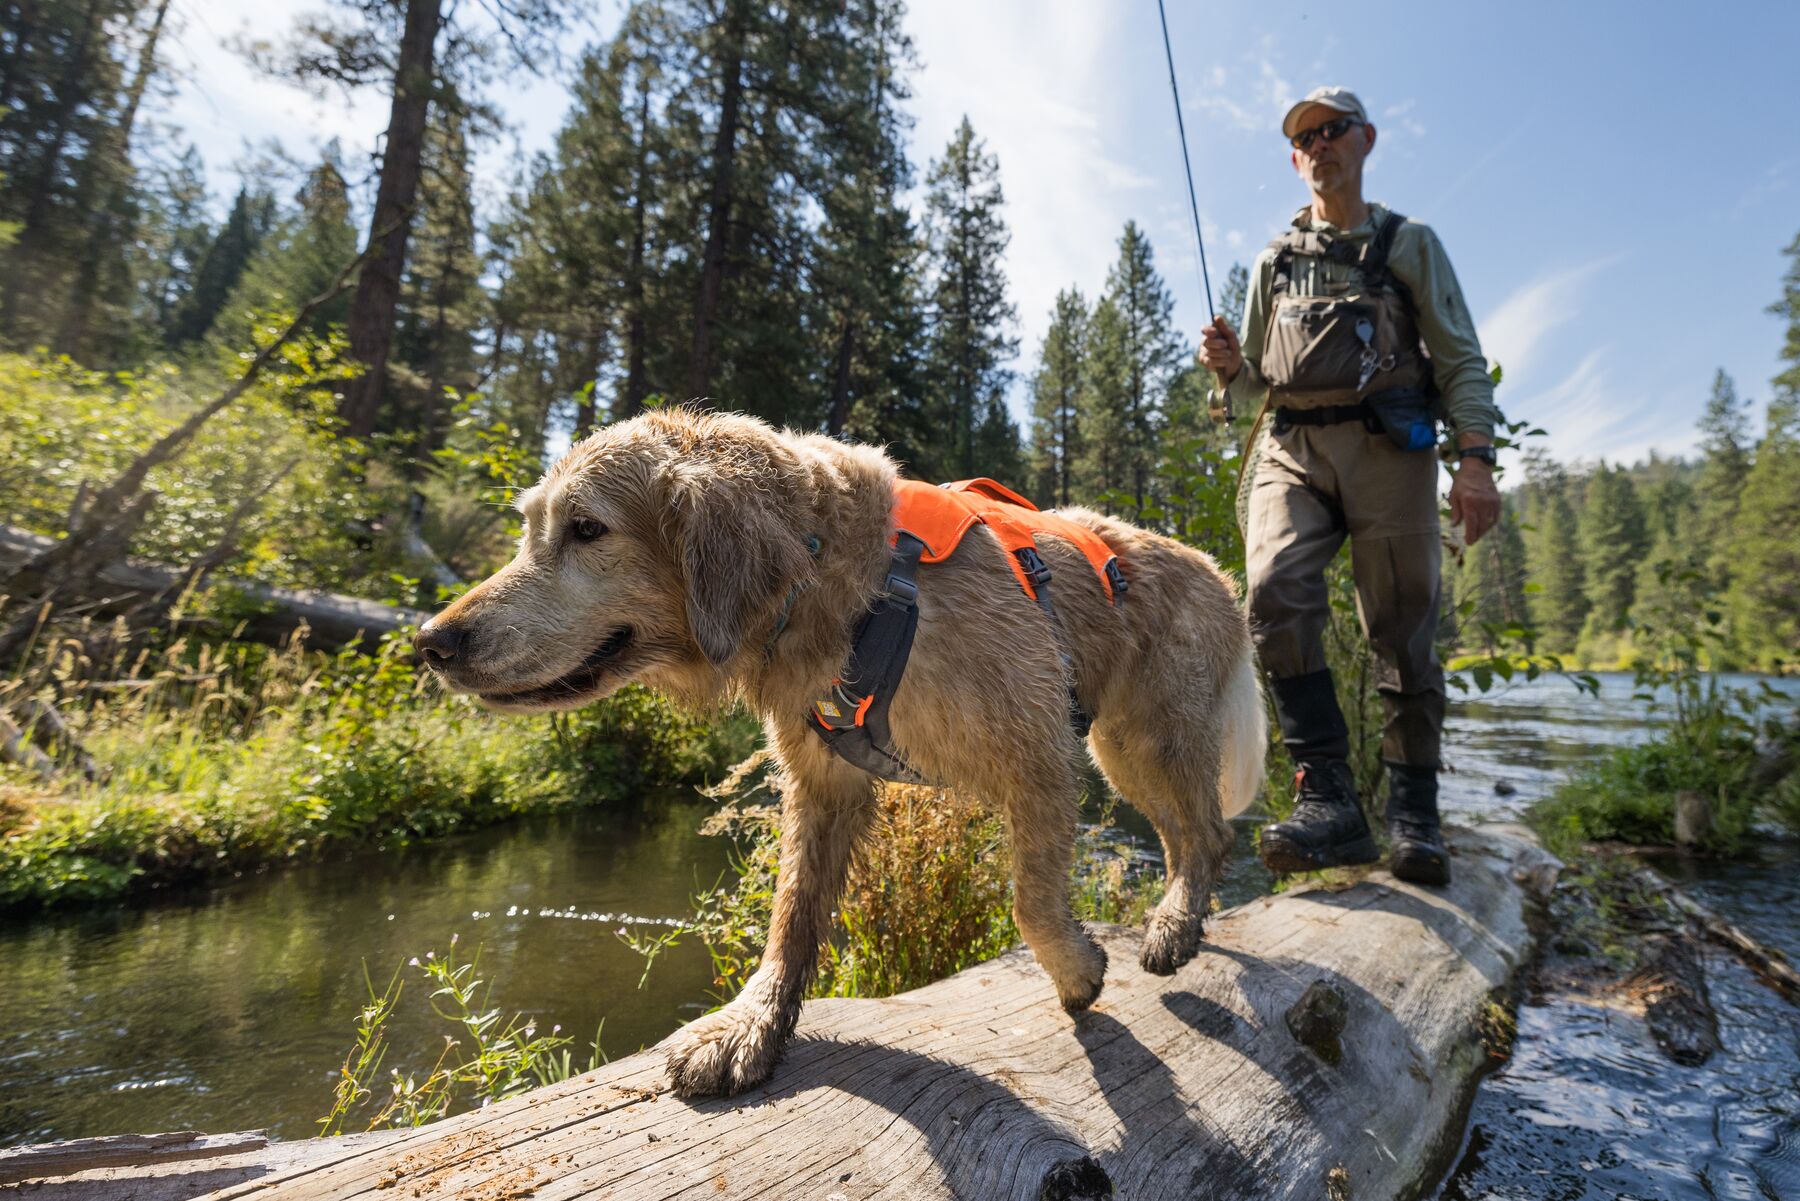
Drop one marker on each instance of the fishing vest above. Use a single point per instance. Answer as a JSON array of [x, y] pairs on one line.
[[929, 524], [1358, 343]]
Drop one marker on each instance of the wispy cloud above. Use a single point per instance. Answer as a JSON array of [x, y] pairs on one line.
[[1587, 416], [1251, 98], [1515, 332]]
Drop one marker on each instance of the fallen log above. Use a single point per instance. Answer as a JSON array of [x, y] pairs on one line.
[[1325, 1043], [333, 620]]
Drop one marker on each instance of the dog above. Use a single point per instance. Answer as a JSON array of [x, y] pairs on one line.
[[711, 556]]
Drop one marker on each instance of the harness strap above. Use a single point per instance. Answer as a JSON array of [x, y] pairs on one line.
[[852, 717]]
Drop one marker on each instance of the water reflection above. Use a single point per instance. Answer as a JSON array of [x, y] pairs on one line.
[[233, 1009]]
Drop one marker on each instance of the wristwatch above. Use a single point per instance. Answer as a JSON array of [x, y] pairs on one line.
[[1486, 454]]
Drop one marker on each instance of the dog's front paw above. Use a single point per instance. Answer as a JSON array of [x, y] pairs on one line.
[[725, 1052], [1170, 941]]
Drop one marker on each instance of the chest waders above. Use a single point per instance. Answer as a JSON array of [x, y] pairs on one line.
[[1353, 354]]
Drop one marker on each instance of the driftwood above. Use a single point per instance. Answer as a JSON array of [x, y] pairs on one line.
[[1325, 1043], [1671, 985], [333, 619], [1767, 962]]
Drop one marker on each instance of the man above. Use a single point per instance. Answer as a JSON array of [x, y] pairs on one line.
[[1356, 339]]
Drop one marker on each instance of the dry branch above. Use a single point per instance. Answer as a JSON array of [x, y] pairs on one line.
[[332, 619]]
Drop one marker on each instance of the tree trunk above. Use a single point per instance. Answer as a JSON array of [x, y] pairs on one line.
[[838, 416], [98, 247], [712, 263], [371, 325], [1322, 1044], [636, 386]]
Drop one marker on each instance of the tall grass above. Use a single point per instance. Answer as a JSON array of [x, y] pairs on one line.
[[222, 757]]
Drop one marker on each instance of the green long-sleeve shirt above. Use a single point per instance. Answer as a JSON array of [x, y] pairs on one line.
[[1417, 258]]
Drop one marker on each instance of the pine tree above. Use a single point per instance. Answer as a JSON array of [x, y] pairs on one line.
[[298, 260], [970, 340], [1613, 539], [1559, 604], [867, 265], [1492, 575], [1765, 553], [441, 301], [1056, 401], [174, 236], [1134, 356], [1233, 295], [98, 315], [423, 56], [1725, 460], [61, 74], [221, 265]]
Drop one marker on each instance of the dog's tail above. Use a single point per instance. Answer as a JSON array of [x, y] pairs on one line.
[[1244, 728]]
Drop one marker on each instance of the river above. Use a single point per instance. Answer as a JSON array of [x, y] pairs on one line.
[[231, 1008]]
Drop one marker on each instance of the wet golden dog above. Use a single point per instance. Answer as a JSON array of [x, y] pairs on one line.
[[668, 548]]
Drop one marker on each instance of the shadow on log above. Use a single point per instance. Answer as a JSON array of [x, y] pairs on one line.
[[334, 620], [1216, 1082]]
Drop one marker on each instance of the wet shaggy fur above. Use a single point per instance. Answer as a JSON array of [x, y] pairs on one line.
[[667, 548]]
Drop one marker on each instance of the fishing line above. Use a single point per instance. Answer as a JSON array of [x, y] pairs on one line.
[[1181, 127]]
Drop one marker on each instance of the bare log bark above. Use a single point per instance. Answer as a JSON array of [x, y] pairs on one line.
[[1767, 962], [47, 727], [15, 747], [331, 619], [981, 1086]]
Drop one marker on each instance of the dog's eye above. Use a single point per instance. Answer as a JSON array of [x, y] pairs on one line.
[[586, 529]]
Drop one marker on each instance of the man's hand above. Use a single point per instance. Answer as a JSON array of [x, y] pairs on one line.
[[1219, 350], [1474, 500]]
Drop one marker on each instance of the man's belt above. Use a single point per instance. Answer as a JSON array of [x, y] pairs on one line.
[[1287, 419]]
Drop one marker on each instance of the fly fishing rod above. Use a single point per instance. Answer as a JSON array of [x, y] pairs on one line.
[[1181, 127]]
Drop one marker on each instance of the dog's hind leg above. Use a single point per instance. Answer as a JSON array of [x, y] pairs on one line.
[[826, 807], [1038, 799], [1169, 769]]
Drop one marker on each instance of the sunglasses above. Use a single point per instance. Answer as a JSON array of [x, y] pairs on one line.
[[1331, 131]]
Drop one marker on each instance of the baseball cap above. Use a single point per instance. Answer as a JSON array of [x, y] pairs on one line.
[[1341, 99]]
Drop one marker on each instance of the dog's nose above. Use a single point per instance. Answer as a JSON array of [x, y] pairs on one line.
[[438, 642]]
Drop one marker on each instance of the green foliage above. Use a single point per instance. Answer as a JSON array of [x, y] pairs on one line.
[[1709, 747], [929, 893], [225, 758], [310, 519], [484, 1059]]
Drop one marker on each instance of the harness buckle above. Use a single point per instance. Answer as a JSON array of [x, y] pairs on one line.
[[1116, 578], [1036, 570]]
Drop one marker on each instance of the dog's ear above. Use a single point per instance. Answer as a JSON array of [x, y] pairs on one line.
[[736, 556]]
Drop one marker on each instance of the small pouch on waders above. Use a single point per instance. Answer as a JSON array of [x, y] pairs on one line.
[[1314, 344], [1405, 416]]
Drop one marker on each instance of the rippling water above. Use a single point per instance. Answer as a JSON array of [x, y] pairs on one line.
[[1588, 1109], [231, 1008]]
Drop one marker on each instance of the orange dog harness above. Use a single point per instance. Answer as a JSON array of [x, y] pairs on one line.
[[929, 524]]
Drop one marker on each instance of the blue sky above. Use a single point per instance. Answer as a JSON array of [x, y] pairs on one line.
[[1614, 182]]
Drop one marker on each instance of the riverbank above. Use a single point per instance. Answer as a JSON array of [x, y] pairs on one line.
[[217, 763]]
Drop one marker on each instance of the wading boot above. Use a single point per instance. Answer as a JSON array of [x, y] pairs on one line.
[[1327, 827], [1418, 854]]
